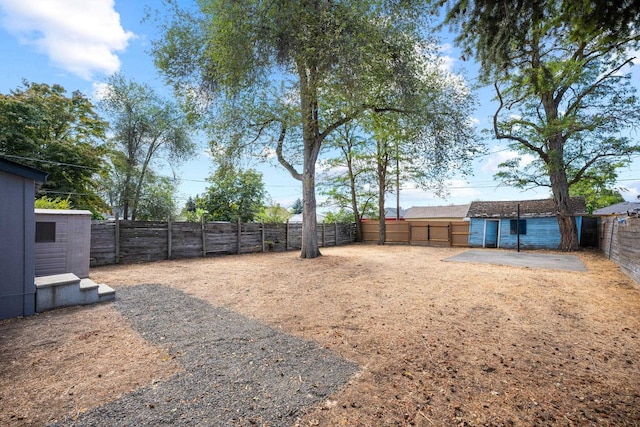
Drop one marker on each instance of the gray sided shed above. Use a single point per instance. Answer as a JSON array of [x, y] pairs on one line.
[[17, 236], [63, 240]]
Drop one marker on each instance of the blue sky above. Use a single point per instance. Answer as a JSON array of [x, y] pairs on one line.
[[79, 43]]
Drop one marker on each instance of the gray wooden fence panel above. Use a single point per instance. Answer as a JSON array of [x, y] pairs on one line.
[[186, 240], [295, 236], [139, 241], [143, 241], [103, 243], [620, 241], [275, 236], [221, 238], [251, 240]]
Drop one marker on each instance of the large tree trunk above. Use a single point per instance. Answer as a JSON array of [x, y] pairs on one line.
[[558, 173], [309, 224], [566, 220], [560, 190], [312, 142]]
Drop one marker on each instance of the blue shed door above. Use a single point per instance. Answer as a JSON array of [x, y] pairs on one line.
[[491, 233]]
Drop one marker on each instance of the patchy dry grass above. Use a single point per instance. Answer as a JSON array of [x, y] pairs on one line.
[[439, 343]]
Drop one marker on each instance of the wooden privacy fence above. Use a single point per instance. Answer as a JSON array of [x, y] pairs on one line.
[[114, 242], [429, 233], [620, 241]]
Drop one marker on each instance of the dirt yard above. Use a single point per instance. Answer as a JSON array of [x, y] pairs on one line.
[[438, 343]]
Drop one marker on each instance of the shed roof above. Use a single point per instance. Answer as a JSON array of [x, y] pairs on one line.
[[21, 170], [529, 208], [62, 212], [618, 208], [450, 211], [392, 213], [298, 217]]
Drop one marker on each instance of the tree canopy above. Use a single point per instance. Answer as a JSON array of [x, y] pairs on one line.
[[146, 128], [281, 76], [233, 194], [41, 126], [492, 31], [378, 153]]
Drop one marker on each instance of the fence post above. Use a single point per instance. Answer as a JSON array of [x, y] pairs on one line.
[[169, 237], [117, 239], [239, 235], [323, 236], [335, 230], [263, 248], [204, 238], [286, 238]]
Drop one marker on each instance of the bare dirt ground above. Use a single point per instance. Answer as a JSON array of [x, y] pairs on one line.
[[438, 343]]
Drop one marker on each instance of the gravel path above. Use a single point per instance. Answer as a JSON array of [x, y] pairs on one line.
[[237, 371]]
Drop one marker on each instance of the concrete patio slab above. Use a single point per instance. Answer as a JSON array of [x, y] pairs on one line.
[[521, 259]]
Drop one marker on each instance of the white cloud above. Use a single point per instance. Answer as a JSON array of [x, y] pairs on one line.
[[494, 160], [268, 153], [631, 191], [446, 61], [100, 91], [80, 36]]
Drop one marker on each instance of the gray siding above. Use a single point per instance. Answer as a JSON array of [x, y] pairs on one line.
[[17, 235], [70, 252]]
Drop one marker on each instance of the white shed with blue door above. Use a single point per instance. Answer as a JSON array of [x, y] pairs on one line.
[[495, 224]]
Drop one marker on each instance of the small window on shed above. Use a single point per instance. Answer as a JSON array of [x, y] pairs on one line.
[[45, 232], [523, 226]]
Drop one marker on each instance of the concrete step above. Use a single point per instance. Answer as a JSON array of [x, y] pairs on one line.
[[88, 285], [62, 290], [106, 293], [56, 280]]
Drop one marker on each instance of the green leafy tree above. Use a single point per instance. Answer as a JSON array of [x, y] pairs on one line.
[[156, 201], [424, 146], [342, 216], [273, 213], [146, 129], [271, 65], [190, 205], [297, 207], [41, 126], [491, 31], [45, 202], [349, 179], [233, 194], [563, 95], [597, 190]]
